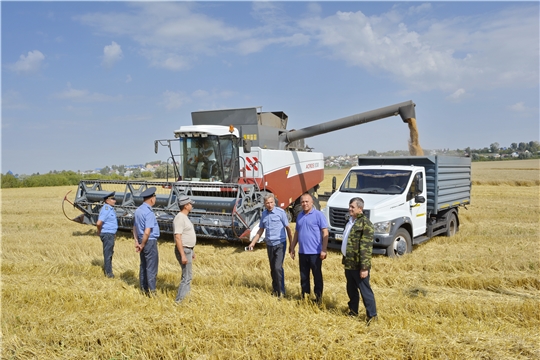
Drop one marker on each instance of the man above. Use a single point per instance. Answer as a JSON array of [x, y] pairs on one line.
[[107, 225], [356, 248], [185, 239], [146, 233], [312, 236], [206, 157], [274, 221]]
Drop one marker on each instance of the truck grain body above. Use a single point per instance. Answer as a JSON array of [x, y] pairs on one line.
[[408, 199]]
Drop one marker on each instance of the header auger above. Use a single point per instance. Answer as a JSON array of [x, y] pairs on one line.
[[227, 161]]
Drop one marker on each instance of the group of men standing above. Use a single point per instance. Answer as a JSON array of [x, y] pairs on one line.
[[311, 235], [146, 233]]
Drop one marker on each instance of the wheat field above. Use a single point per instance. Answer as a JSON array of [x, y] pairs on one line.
[[472, 296]]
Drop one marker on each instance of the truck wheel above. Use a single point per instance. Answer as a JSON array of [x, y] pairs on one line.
[[401, 245], [451, 225]]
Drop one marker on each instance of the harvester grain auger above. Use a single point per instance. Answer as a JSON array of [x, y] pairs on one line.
[[227, 161]]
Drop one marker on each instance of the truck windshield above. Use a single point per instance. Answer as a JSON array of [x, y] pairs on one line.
[[380, 181]]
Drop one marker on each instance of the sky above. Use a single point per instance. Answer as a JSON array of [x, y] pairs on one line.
[[93, 84]]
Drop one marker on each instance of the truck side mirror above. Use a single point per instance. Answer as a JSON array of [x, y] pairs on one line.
[[246, 145], [419, 199], [333, 184], [156, 146]]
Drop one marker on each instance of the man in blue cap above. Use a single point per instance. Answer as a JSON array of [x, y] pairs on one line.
[[146, 233], [185, 239], [107, 225]]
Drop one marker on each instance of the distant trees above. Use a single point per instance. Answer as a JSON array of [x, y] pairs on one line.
[[57, 178], [162, 171], [105, 171], [494, 148]]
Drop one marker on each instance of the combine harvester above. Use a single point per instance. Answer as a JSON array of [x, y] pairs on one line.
[[254, 155]]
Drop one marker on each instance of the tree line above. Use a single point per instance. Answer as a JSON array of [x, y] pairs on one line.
[[165, 170]]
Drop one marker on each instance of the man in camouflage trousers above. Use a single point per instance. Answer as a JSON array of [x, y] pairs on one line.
[[356, 247]]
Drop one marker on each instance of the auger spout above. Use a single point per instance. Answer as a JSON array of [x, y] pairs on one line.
[[404, 109]]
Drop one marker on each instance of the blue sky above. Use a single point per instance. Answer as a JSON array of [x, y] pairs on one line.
[[89, 84]]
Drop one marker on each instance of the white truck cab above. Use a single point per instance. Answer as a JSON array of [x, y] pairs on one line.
[[402, 198]]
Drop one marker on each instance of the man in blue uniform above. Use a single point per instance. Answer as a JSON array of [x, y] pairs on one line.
[[274, 221], [107, 225], [312, 236], [146, 233]]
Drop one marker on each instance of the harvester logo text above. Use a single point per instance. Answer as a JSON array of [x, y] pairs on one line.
[[312, 165]]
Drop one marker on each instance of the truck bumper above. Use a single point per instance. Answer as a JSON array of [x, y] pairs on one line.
[[380, 241]]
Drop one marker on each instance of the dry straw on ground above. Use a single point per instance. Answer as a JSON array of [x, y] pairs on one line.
[[473, 296]]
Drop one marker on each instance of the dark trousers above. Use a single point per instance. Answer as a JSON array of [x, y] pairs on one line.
[[108, 250], [149, 266], [276, 255], [355, 283], [311, 263]]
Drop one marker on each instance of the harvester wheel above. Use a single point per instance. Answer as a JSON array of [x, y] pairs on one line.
[[401, 244], [451, 225], [297, 208], [316, 203]]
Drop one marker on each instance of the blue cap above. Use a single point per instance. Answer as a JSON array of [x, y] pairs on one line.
[[148, 192], [109, 196]]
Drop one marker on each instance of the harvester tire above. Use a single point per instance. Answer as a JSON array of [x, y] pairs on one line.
[[401, 244], [316, 203]]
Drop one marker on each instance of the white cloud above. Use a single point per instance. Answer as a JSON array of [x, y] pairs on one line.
[[28, 64], [446, 54], [419, 9], [414, 45], [170, 34], [84, 96], [174, 100], [457, 95], [111, 54], [518, 107]]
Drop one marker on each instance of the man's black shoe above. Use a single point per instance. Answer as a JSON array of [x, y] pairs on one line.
[[372, 320]]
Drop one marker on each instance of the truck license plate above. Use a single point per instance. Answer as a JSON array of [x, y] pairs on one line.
[[339, 236]]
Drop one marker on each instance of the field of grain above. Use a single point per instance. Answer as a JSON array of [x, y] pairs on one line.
[[472, 296]]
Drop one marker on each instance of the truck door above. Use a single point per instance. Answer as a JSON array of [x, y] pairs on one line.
[[418, 208]]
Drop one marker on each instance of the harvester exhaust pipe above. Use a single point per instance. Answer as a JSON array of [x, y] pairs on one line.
[[404, 109]]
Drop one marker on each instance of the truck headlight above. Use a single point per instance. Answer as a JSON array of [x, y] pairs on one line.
[[382, 227]]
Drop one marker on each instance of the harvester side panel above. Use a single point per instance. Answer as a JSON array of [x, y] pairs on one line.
[[287, 174]]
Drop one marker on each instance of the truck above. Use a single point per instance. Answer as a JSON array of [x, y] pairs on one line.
[[253, 154], [409, 199]]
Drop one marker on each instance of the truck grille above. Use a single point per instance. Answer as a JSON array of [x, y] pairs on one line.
[[339, 217]]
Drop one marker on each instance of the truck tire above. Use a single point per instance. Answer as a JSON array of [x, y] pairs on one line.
[[451, 225], [401, 244]]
